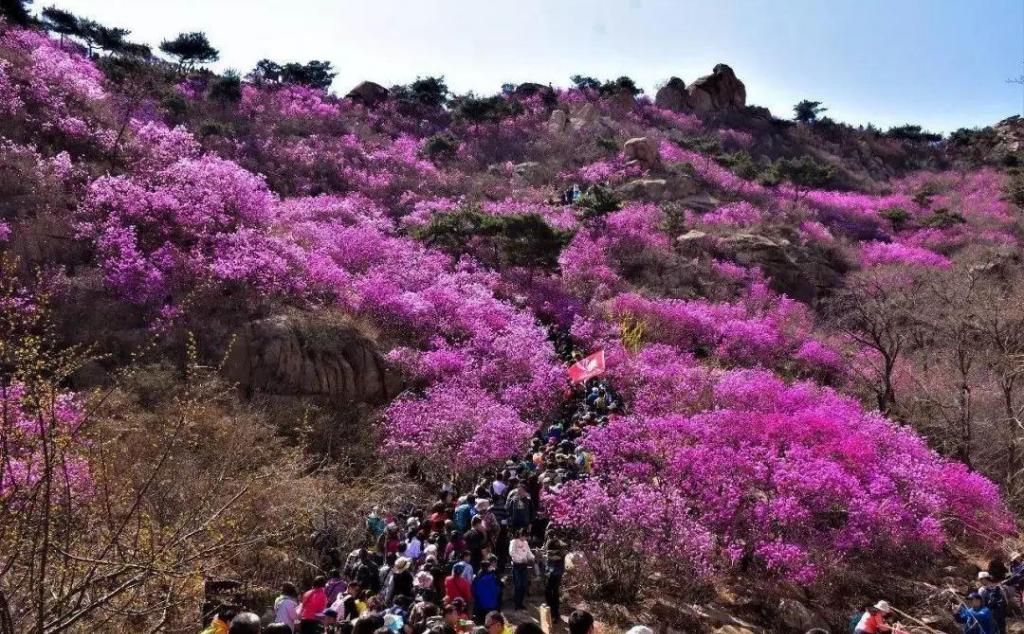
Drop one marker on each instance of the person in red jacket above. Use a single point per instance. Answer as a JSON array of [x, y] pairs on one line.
[[314, 601], [456, 586]]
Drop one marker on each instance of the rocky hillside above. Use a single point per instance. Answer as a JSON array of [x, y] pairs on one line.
[[238, 312]]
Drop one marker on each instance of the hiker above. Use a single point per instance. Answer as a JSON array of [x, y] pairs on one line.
[[455, 546], [495, 622], [375, 524], [1016, 578], [286, 605], [581, 622], [402, 577], [221, 621], [413, 544], [522, 560], [313, 603], [486, 589], [975, 617], [328, 619], [245, 623], [873, 619], [335, 585], [490, 521], [451, 616], [476, 542], [519, 506], [993, 598], [456, 585], [555, 551], [423, 586], [346, 606], [463, 514]]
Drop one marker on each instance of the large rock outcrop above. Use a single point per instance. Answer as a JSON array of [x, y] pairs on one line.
[[720, 90], [368, 94], [305, 355], [804, 272], [672, 95], [801, 272], [643, 150]]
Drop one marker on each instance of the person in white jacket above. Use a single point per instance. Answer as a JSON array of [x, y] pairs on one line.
[[286, 606], [522, 557]]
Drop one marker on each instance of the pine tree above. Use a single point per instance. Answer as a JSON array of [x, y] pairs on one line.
[[190, 49]]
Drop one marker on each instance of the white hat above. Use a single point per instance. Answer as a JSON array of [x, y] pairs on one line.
[[883, 606], [401, 564], [640, 629], [984, 575], [483, 502], [424, 579]]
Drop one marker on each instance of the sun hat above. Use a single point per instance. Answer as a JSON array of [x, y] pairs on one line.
[[424, 579], [402, 564], [983, 575], [883, 606]]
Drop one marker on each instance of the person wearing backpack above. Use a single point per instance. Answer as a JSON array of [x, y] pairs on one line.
[[993, 598], [975, 617], [873, 619], [463, 514], [519, 507]]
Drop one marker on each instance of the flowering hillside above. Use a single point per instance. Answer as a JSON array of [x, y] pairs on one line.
[[784, 340]]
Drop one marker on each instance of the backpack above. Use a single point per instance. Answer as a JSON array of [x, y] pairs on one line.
[[519, 512]]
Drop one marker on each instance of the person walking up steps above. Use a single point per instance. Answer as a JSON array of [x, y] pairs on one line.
[[554, 551], [522, 557]]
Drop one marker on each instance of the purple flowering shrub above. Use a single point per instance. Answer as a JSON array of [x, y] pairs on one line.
[[745, 473]]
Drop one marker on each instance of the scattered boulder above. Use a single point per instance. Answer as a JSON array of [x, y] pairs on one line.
[[644, 150], [530, 172], [368, 94], [672, 95], [673, 187], [652, 189], [701, 203], [307, 355], [720, 90], [584, 116], [805, 273], [797, 616], [1009, 137], [557, 122]]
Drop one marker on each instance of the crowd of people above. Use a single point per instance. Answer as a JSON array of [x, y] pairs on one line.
[[984, 610], [452, 567]]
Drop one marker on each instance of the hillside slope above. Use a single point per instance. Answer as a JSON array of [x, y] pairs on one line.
[[815, 331]]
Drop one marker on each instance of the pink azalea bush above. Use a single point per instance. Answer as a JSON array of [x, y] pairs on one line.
[[875, 253], [782, 479]]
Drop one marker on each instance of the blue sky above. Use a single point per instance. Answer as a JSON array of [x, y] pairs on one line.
[[939, 63]]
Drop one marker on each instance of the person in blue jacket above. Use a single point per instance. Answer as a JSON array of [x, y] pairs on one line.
[[974, 617], [487, 590]]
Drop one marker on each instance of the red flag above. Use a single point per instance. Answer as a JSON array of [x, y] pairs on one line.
[[587, 368]]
